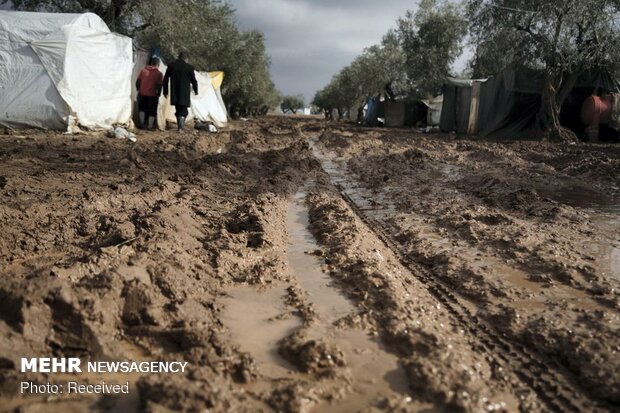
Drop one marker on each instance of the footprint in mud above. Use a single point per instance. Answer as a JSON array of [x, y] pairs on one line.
[[261, 324]]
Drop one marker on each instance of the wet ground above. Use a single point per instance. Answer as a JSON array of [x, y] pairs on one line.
[[304, 266]]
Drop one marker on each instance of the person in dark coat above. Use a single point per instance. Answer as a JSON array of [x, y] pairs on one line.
[[182, 78]]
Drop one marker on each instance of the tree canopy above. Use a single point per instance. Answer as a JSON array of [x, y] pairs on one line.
[[432, 40]]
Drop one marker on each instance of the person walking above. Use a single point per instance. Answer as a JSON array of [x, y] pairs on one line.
[[149, 85], [182, 79]]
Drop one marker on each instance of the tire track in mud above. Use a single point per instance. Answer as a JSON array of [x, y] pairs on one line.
[[548, 381]]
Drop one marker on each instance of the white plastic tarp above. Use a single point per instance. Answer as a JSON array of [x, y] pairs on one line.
[[207, 106], [57, 70]]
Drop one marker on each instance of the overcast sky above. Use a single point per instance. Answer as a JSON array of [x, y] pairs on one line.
[[310, 40]]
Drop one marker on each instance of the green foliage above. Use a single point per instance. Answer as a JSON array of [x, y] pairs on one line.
[[573, 35], [412, 61], [432, 40], [119, 15], [379, 69], [291, 103], [203, 28], [493, 55]]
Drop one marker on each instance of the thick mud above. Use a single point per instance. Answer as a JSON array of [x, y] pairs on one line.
[[304, 266]]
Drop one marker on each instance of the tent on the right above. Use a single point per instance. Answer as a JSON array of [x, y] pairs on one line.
[[510, 102], [459, 111]]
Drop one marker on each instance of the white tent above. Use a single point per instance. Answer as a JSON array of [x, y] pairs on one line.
[[61, 70], [208, 106]]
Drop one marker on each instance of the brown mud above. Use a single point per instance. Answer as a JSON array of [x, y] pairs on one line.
[[304, 266]]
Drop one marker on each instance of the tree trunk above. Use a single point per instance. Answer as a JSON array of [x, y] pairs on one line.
[[555, 91], [389, 92]]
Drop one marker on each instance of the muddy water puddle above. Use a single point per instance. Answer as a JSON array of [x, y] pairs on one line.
[[604, 211], [376, 371], [508, 273], [307, 268], [259, 320], [614, 261], [576, 196], [607, 219], [373, 202]]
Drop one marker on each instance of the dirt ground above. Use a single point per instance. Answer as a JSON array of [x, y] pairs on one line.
[[305, 266]]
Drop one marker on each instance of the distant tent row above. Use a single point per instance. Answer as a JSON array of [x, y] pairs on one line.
[[58, 71], [398, 113], [507, 105], [503, 106]]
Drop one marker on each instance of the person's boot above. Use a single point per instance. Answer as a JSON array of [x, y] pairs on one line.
[[141, 116], [181, 123], [151, 125]]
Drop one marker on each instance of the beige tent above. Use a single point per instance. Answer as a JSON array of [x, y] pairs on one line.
[[208, 106]]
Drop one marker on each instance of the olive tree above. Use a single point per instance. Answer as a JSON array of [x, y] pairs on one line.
[[291, 103], [432, 39]]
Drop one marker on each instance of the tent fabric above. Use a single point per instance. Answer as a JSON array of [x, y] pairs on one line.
[[55, 71], [416, 113], [504, 113], [435, 106], [526, 80], [394, 113], [474, 106], [510, 101], [207, 106], [141, 59], [370, 116], [507, 105], [452, 81], [615, 112], [455, 112], [217, 78]]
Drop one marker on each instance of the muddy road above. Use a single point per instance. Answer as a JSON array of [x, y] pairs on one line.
[[301, 266]]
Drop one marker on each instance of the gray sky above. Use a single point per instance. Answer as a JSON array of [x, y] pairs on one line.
[[310, 40]]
